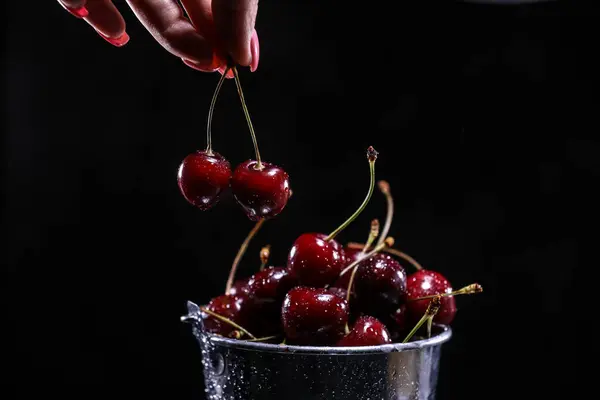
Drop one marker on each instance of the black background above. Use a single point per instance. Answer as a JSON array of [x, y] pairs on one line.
[[486, 120]]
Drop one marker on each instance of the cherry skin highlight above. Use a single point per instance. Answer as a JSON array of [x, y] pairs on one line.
[[236, 308], [261, 193], [239, 287], [313, 316], [202, 177], [379, 286], [315, 261], [367, 331], [428, 283]]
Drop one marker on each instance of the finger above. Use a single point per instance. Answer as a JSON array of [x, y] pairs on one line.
[[165, 21], [234, 24], [106, 19], [75, 7], [200, 14]]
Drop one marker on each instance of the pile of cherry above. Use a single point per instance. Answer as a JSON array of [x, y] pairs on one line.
[[327, 294]]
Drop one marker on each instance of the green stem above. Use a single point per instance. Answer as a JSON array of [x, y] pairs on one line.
[[384, 187], [350, 282], [374, 232], [372, 155], [262, 339], [259, 165], [209, 150], [227, 321], [369, 254], [240, 253]]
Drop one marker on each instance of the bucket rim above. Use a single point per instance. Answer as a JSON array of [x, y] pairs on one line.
[[445, 333]]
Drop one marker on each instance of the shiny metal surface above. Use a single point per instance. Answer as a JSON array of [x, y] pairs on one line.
[[242, 370]]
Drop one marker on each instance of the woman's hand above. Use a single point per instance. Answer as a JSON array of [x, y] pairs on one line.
[[212, 31]]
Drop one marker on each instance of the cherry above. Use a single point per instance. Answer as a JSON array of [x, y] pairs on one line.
[[379, 285], [313, 316], [271, 285], [261, 192], [317, 259], [367, 331], [427, 283], [228, 314], [202, 176], [261, 189]]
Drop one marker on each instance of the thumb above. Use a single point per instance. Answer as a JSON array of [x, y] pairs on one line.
[[234, 23]]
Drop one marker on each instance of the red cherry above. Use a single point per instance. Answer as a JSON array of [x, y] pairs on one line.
[[313, 316], [367, 331], [379, 286], [262, 193], [428, 283], [202, 177], [271, 285], [236, 308], [315, 260]]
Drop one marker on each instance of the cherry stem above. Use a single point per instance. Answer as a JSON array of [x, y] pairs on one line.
[[265, 252], [469, 289], [372, 235], [372, 156], [262, 339], [429, 325], [259, 165], [432, 309], [227, 321], [240, 253], [384, 187], [389, 241], [209, 150], [395, 252]]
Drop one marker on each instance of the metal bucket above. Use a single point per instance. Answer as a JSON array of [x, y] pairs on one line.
[[243, 370]]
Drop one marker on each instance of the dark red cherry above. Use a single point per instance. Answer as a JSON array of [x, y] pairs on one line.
[[236, 308], [367, 331], [267, 289], [262, 193], [397, 323], [271, 284], [314, 316], [379, 285], [202, 177], [428, 283], [315, 261]]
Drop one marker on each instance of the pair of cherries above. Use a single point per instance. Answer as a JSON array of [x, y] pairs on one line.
[[330, 294], [261, 189]]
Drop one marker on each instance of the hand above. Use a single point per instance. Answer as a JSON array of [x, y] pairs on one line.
[[212, 31]]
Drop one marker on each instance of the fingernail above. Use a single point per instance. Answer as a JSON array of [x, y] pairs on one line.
[[254, 50], [198, 66], [118, 42], [80, 12]]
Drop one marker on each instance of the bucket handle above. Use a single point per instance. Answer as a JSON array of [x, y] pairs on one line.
[[194, 316]]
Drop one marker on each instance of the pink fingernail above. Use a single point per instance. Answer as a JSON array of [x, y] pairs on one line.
[[79, 12], [198, 66], [254, 50], [118, 42]]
